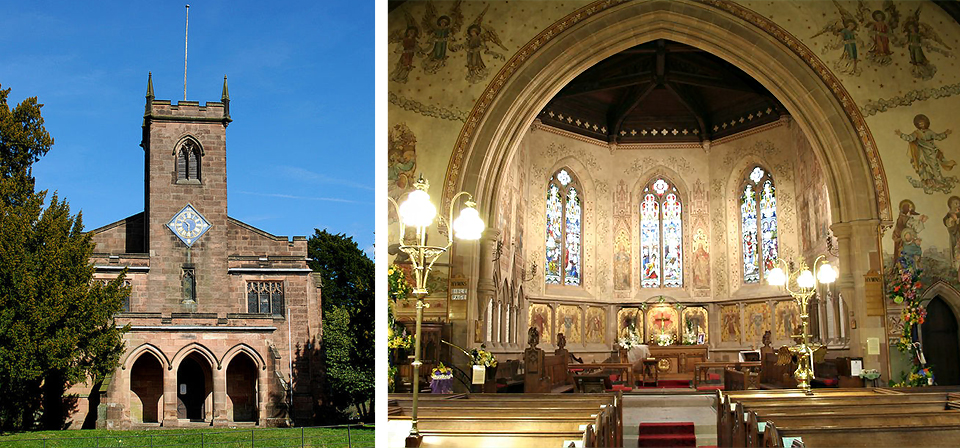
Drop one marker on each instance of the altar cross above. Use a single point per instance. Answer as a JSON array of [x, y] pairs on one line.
[[662, 320]]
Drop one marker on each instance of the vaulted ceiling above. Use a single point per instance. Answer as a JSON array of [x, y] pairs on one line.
[[661, 91]]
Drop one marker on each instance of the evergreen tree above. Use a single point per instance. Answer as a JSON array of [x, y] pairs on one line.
[[56, 324], [348, 316]]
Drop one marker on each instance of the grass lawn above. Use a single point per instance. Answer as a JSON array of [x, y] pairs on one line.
[[207, 437]]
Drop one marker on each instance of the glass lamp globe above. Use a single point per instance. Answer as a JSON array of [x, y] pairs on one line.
[[468, 226], [417, 211], [776, 277], [826, 274], [805, 280]]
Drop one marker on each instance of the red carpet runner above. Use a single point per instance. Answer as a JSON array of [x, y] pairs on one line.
[[672, 434]]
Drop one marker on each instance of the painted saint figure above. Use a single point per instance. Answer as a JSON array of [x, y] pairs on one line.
[[880, 37], [920, 37], [952, 222], [905, 232], [441, 32], [408, 49], [927, 159], [845, 32], [475, 42]]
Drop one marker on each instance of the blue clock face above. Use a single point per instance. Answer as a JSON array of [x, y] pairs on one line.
[[188, 225]]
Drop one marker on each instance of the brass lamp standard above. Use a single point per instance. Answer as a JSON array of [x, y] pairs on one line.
[[417, 211], [805, 282]]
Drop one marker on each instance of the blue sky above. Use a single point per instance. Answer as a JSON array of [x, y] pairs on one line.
[[300, 149]]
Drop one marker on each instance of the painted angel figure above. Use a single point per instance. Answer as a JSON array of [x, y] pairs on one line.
[[476, 39], [927, 159], [441, 33], [881, 28], [409, 40], [844, 31], [918, 37]]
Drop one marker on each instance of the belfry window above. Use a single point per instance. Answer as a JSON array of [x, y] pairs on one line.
[[188, 161], [758, 224], [661, 236], [564, 212]]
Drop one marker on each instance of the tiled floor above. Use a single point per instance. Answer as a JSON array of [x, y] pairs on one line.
[[670, 408]]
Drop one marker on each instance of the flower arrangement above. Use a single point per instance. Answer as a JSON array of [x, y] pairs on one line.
[[441, 372], [917, 377], [664, 339], [399, 339], [905, 289], [481, 357], [869, 374], [397, 286], [630, 340]]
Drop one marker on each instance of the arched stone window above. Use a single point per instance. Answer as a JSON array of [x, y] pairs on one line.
[[661, 235], [758, 224], [564, 232], [188, 161]]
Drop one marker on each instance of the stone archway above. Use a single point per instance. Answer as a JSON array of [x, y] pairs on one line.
[[501, 118], [817, 102], [243, 388], [194, 389], [146, 389], [941, 342]]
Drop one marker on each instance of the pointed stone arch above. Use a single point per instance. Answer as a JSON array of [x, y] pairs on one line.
[[200, 349], [243, 348], [146, 347], [790, 70]]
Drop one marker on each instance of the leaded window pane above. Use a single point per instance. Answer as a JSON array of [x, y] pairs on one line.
[[748, 217], [572, 255], [672, 242], [650, 242], [768, 225], [554, 236]]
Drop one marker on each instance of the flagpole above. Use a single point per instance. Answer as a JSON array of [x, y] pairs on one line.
[[185, 33]]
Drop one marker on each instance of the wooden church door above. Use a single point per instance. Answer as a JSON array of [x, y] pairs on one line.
[[941, 343]]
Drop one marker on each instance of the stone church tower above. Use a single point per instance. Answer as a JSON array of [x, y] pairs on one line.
[[224, 317]]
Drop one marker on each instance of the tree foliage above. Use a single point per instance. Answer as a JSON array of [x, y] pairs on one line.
[[56, 324], [348, 316]]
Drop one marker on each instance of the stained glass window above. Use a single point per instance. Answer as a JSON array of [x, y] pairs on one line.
[[661, 236], [748, 219], [758, 224], [564, 222]]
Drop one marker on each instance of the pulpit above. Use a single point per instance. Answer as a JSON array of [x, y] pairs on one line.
[[678, 362]]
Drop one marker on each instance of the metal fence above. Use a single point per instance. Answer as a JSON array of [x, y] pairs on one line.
[[341, 436]]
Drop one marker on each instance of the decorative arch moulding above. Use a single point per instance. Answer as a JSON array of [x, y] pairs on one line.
[[453, 178]]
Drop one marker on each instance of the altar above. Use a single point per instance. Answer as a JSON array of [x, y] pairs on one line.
[[678, 362]]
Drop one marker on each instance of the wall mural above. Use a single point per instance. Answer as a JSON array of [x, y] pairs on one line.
[[622, 266], [952, 222], [568, 323], [906, 236], [441, 30], [595, 324], [409, 40], [927, 159], [401, 163], [935, 264], [881, 30], [757, 321], [475, 43], [730, 323], [701, 242], [788, 318], [539, 317], [628, 318]]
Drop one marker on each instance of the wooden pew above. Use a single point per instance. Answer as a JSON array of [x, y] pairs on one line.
[[625, 369], [517, 420], [702, 369], [852, 418]]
